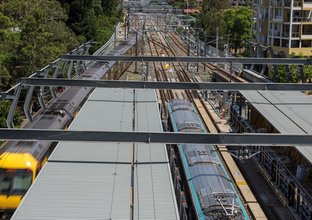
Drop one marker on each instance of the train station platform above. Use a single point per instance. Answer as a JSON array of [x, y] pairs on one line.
[[288, 111], [102, 180]]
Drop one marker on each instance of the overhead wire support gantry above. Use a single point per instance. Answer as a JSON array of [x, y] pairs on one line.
[[295, 61]]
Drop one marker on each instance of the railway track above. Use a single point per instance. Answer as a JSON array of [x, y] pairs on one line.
[[164, 95], [212, 67], [205, 110]]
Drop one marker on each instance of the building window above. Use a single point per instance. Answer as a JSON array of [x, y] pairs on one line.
[[295, 44], [295, 31], [285, 43], [285, 31], [306, 43], [307, 30], [276, 42]]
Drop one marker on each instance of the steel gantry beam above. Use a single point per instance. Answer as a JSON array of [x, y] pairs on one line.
[[295, 61], [166, 85], [250, 139]]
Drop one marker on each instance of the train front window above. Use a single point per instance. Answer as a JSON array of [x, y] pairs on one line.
[[15, 181]]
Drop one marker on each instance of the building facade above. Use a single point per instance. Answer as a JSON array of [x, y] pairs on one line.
[[284, 25]]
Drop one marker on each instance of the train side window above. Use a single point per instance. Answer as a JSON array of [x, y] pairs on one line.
[[4, 185]]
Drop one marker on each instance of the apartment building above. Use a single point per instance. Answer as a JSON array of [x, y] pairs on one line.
[[285, 25]]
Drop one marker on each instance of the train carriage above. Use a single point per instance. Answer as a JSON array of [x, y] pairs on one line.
[[19, 165], [211, 191], [21, 161]]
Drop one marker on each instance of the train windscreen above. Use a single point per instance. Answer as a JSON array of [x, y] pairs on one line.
[[15, 181]]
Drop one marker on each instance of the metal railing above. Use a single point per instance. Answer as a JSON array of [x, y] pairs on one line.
[[297, 3], [295, 34], [107, 46], [214, 52], [302, 19], [307, 33], [277, 3]]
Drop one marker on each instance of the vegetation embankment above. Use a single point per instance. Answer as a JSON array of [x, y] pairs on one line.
[[34, 33]]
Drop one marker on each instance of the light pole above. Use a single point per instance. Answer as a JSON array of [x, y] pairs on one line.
[[188, 45], [215, 40], [187, 7]]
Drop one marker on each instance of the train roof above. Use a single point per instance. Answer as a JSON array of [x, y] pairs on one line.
[[207, 175], [184, 116], [180, 104], [92, 180], [212, 192], [25, 161]]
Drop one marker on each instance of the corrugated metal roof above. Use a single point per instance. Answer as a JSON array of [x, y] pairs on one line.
[[91, 180], [288, 111], [78, 191]]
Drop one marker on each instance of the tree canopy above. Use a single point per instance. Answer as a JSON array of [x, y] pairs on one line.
[[231, 24], [33, 34], [92, 19], [294, 72], [238, 24], [211, 19]]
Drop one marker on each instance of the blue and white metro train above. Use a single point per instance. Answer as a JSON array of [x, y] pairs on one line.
[[208, 190], [21, 161]]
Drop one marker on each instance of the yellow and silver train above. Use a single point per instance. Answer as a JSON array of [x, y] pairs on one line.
[[20, 162], [19, 165]]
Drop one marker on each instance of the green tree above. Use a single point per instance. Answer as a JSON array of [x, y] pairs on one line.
[[82, 19], [213, 5], [42, 32], [92, 19], [109, 7], [4, 109], [9, 41], [238, 25], [178, 4], [294, 72], [33, 33], [211, 19]]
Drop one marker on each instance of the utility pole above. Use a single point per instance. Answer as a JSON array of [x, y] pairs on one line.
[[127, 25], [205, 48], [115, 35], [188, 45], [146, 74], [198, 51], [136, 50], [217, 41], [143, 33]]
